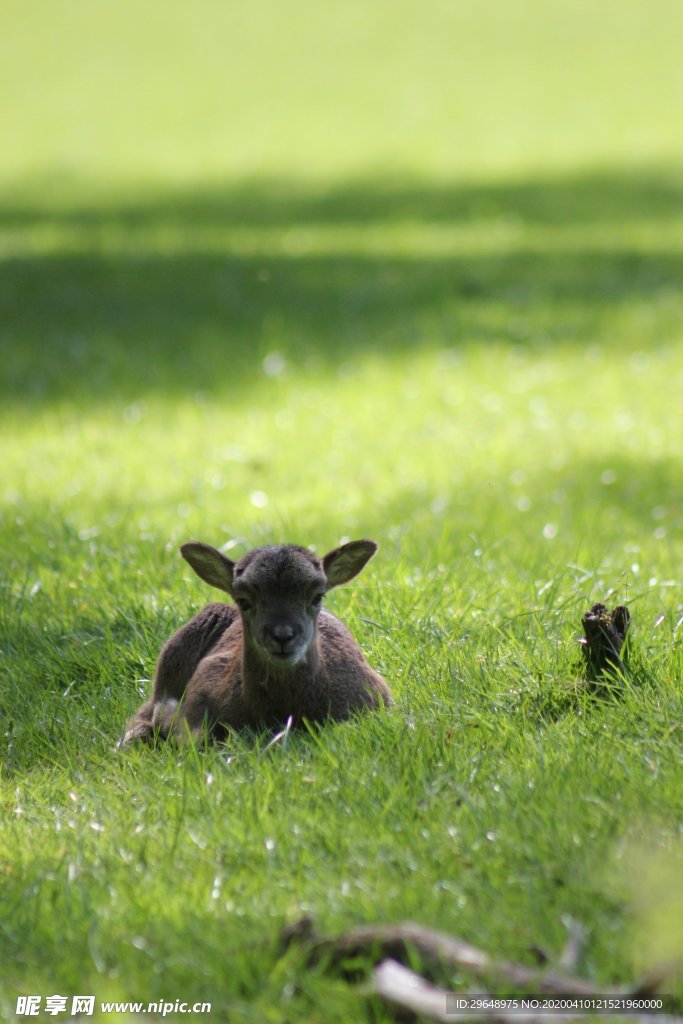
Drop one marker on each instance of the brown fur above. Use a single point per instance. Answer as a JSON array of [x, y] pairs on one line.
[[275, 656]]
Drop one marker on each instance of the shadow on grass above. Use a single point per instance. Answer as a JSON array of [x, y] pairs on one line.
[[598, 197], [86, 321]]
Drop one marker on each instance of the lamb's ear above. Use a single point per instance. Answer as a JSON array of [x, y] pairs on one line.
[[209, 564], [342, 564]]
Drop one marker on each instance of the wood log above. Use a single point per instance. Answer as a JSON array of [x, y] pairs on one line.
[[604, 636]]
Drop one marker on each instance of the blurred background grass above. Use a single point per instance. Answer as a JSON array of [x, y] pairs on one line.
[[178, 93], [234, 239]]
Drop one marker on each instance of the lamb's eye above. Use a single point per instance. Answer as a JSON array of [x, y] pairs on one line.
[[243, 604], [317, 600]]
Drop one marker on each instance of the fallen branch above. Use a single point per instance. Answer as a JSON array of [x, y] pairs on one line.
[[402, 988], [436, 950], [412, 996], [576, 940]]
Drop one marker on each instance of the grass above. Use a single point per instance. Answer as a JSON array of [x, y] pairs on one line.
[[291, 274]]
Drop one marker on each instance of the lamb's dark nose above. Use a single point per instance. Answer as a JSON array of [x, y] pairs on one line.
[[283, 633]]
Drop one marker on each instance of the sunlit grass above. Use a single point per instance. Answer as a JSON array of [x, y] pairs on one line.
[[171, 93]]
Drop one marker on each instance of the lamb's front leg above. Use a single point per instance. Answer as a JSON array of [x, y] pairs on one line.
[[182, 654], [140, 727], [178, 662], [213, 701]]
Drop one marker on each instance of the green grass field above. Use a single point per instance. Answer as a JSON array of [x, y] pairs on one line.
[[290, 272]]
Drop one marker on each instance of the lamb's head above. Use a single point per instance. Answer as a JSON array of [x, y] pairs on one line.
[[279, 590]]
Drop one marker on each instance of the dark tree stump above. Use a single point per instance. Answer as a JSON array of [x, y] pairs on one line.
[[605, 633]]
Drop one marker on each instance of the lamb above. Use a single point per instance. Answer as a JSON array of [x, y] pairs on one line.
[[273, 655]]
